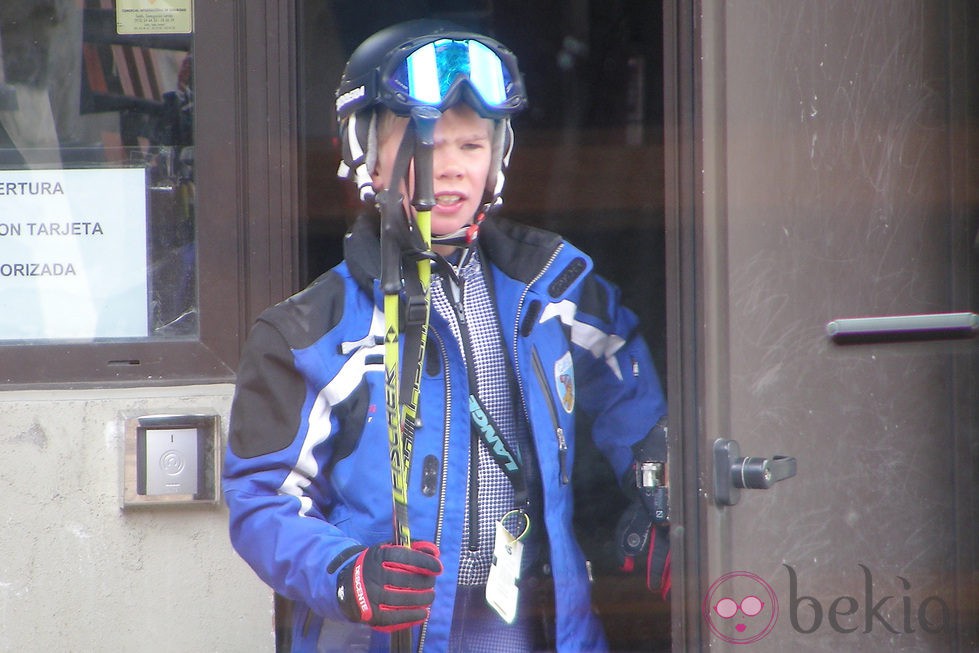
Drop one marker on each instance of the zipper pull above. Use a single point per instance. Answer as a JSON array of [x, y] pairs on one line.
[[562, 455], [453, 284], [457, 300]]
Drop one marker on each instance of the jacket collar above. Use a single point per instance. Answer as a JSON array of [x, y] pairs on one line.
[[362, 250], [518, 250]]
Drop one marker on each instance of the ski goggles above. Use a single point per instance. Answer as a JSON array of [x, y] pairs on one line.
[[443, 72]]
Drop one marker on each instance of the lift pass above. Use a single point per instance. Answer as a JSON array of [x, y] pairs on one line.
[[501, 586]]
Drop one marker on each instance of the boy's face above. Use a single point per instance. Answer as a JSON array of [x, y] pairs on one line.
[[460, 165]]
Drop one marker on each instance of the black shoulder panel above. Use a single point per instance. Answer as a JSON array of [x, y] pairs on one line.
[[268, 399], [306, 316], [270, 391]]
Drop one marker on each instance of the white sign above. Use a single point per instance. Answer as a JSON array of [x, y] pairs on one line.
[[154, 16], [73, 254]]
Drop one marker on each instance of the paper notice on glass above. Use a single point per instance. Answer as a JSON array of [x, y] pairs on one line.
[[154, 16], [73, 254]]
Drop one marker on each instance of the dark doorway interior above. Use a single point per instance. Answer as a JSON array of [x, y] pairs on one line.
[[588, 163]]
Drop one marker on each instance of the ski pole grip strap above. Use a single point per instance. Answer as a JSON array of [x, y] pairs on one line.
[[417, 311]]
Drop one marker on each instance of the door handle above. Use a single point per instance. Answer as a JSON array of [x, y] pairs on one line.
[[888, 328], [733, 472]]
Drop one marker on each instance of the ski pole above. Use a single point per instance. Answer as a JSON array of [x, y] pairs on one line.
[[395, 244], [391, 249], [395, 238], [424, 119]]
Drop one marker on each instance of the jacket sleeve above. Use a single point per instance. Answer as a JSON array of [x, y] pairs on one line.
[[617, 381], [277, 522]]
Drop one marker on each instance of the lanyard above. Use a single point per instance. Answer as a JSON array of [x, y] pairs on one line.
[[485, 430], [482, 425]]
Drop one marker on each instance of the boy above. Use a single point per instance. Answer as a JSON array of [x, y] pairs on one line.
[[522, 334]]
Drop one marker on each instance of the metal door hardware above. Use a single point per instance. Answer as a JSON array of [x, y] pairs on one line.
[[904, 327], [733, 472]]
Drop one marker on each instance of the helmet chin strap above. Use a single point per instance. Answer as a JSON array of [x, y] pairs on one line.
[[463, 237]]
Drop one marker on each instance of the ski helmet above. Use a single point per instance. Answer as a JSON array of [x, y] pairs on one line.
[[425, 62]]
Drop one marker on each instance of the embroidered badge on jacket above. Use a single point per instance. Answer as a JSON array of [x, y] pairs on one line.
[[564, 381]]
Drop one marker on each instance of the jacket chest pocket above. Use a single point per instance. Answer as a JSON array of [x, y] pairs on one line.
[[557, 398]]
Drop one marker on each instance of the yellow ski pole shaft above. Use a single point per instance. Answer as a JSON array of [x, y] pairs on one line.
[[396, 448], [391, 287], [424, 119]]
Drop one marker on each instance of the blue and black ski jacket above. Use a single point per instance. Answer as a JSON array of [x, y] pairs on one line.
[[307, 474]]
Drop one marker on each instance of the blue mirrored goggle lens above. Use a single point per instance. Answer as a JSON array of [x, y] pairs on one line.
[[429, 74]]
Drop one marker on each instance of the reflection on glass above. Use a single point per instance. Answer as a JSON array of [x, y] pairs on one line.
[[77, 94]]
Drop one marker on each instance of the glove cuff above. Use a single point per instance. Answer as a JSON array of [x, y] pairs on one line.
[[654, 445], [351, 593]]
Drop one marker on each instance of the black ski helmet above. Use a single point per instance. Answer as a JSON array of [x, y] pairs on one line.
[[425, 62]]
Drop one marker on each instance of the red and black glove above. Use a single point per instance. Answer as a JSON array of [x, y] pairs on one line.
[[644, 526], [390, 587], [638, 538]]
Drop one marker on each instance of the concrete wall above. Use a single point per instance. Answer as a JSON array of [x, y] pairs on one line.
[[78, 573]]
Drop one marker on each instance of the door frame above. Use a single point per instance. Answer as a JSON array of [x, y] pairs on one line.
[[682, 135]]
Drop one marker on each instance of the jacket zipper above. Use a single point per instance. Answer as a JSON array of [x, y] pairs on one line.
[[454, 288], [539, 371], [445, 463], [445, 438]]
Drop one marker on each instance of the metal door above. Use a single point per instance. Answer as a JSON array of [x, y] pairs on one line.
[[823, 165]]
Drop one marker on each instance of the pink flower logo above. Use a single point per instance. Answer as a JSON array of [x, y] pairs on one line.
[[740, 608]]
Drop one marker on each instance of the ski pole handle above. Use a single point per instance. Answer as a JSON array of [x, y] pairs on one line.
[[389, 203], [424, 118]]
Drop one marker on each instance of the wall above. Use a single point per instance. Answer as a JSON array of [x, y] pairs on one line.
[[77, 573]]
